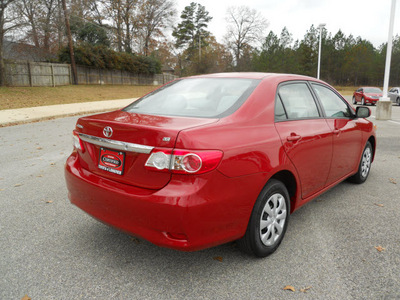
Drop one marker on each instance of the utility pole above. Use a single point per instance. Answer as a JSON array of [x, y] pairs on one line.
[[384, 105], [320, 26], [71, 47]]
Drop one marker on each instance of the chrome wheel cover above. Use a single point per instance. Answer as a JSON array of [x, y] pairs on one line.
[[366, 162], [273, 218]]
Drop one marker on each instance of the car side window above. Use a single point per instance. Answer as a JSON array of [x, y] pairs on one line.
[[333, 105], [298, 101], [280, 113]]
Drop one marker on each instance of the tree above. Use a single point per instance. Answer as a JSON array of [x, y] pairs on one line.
[[39, 16], [191, 35], [7, 23], [89, 32], [308, 52], [121, 14], [153, 17], [245, 27], [191, 32]]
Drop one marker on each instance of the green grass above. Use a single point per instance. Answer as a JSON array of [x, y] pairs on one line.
[[20, 97]]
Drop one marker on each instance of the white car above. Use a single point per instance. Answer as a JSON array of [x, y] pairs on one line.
[[394, 95]]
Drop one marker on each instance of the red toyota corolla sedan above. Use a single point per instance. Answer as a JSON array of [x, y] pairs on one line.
[[210, 159], [367, 95]]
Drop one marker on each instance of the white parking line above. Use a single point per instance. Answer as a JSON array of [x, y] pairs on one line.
[[391, 121]]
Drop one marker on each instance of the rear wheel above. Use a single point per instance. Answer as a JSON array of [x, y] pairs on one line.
[[364, 166], [268, 221]]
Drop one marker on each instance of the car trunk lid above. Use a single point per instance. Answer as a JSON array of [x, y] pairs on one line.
[[117, 145]]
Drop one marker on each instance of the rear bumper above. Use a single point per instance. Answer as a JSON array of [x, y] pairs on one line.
[[189, 213]]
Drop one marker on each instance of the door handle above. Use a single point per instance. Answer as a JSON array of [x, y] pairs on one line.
[[293, 138], [336, 131]]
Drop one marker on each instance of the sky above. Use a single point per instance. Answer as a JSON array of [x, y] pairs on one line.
[[368, 19]]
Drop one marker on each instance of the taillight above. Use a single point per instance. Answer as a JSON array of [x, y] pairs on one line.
[[184, 161], [76, 141]]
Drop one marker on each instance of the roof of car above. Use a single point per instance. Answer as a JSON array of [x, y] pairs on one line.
[[253, 75]]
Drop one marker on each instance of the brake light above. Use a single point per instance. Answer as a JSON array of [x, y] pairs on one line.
[[76, 141], [183, 161]]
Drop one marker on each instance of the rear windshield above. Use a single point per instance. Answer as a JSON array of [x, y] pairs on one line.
[[373, 90], [196, 97]]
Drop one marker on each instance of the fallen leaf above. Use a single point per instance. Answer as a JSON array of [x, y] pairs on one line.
[[40, 175], [52, 164], [39, 148], [380, 248], [136, 240], [380, 205], [49, 201], [1, 190], [26, 297], [305, 289], [392, 180], [289, 288], [18, 184], [219, 258]]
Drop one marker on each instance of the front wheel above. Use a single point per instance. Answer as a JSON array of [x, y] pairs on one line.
[[362, 101], [398, 101], [354, 100], [268, 221], [364, 166]]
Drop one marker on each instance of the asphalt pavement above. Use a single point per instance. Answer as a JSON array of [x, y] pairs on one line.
[[52, 250]]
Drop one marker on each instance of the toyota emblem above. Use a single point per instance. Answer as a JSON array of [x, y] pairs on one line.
[[107, 131]]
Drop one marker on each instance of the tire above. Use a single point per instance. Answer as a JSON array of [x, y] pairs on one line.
[[268, 221], [354, 100], [365, 165], [362, 101], [398, 101]]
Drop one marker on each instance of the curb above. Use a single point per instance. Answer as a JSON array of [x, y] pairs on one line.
[[11, 117]]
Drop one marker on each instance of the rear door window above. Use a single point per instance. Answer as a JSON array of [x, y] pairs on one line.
[[297, 101]]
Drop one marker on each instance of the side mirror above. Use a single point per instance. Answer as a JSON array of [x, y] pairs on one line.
[[363, 112]]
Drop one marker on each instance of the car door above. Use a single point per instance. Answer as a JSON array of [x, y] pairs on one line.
[[359, 94], [346, 133], [305, 135], [391, 94]]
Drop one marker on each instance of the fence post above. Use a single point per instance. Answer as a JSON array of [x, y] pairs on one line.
[[69, 74], [52, 75], [29, 73]]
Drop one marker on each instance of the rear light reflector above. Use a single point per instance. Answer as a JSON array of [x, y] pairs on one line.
[[76, 141], [183, 161]]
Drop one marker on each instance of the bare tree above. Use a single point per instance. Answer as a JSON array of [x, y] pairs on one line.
[[7, 23], [153, 17], [121, 14], [40, 16], [245, 27]]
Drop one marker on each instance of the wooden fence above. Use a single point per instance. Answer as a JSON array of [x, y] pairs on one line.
[[23, 73]]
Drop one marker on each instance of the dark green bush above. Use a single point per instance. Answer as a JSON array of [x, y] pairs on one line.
[[102, 57]]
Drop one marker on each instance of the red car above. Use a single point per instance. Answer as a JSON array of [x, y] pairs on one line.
[[367, 95], [210, 159]]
